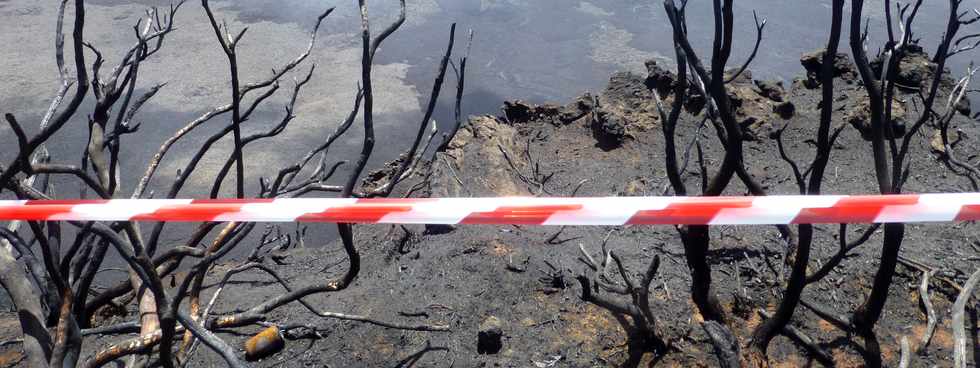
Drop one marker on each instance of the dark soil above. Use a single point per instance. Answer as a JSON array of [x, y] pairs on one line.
[[465, 275]]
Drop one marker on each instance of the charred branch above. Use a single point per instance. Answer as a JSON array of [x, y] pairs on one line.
[[959, 320]]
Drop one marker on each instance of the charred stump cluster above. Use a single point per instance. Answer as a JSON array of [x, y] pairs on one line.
[[901, 76], [49, 268]]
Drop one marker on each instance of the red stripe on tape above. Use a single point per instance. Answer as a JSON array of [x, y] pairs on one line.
[[968, 213], [689, 211], [863, 209], [34, 212], [366, 214], [518, 215], [201, 211]]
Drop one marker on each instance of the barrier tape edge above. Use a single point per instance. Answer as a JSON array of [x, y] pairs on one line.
[[762, 210]]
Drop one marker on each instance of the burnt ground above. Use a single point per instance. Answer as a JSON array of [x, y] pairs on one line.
[[465, 275]]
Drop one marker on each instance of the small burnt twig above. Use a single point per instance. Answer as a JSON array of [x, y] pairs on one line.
[[959, 320], [419, 313], [121, 328], [839, 321], [800, 178], [725, 343], [906, 357], [11, 342], [844, 249], [141, 344], [923, 267], [930, 311], [535, 182], [258, 313], [403, 169], [695, 141], [803, 339], [460, 72], [554, 279], [759, 27], [405, 240]]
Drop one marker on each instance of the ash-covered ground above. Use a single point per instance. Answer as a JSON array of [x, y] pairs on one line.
[[523, 278]]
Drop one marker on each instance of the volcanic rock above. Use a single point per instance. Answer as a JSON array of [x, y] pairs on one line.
[[490, 336]]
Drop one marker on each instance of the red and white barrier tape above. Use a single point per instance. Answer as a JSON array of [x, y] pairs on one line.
[[518, 210]]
